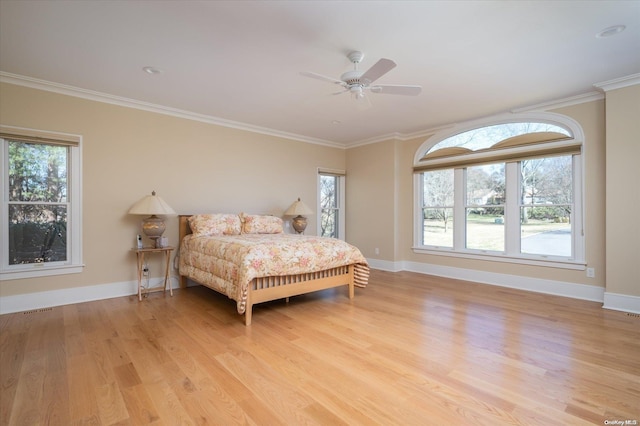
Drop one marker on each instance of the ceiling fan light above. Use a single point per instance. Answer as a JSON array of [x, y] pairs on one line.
[[357, 93]]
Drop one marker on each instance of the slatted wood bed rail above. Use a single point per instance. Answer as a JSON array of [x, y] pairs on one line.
[[265, 289]]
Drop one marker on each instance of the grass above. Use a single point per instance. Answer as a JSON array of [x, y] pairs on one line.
[[483, 233]]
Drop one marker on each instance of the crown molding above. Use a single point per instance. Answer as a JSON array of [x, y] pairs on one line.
[[63, 89], [619, 83], [145, 106], [541, 107], [399, 136], [561, 103]]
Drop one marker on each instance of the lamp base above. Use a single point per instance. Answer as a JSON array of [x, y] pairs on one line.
[[299, 224], [153, 227]]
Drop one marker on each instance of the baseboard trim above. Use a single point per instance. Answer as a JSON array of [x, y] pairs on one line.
[[69, 296], [557, 288], [613, 301], [622, 302], [384, 265]]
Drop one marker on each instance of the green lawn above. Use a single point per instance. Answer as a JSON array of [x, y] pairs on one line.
[[483, 232]]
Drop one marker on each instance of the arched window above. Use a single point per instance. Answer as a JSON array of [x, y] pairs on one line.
[[509, 189]]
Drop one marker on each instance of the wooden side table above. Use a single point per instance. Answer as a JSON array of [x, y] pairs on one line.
[[140, 254]]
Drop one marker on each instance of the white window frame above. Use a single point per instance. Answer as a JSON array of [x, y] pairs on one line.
[[512, 239], [341, 178], [73, 264]]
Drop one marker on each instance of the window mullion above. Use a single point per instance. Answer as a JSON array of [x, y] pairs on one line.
[[4, 207], [418, 208], [512, 209], [577, 210], [459, 216]]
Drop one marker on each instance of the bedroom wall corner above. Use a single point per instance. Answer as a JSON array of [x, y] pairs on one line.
[[371, 200], [623, 195], [195, 166]]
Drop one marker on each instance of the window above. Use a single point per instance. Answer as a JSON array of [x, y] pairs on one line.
[[40, 203], [331, 201], [484, 207], [546, 201], [437, 208], [508, 191]]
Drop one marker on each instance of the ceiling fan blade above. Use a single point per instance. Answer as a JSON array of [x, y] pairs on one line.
[[378, 69], [322, 77], [397, 89]]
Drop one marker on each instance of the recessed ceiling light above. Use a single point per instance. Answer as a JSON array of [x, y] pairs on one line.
[[152, 70], [611, 31]]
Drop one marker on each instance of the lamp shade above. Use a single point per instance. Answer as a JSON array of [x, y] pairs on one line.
[[298, 208], [150, 205]]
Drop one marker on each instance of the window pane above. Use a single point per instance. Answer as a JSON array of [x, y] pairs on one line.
[[37, 172], [485, 231], [37, 233], [328, 206], [486, 137], [545, 206], [485, 197], [329, 223], [546, 230], [328, 191], [547, 180], [438, 188], [438, 227], [485, 185], [437, 212]]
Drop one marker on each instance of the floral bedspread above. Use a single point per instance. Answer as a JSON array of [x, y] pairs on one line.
[[228, 263]]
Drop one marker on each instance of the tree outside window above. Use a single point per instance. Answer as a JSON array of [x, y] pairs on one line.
[[331, 216], [437, 208], [510, 188], [37, 202], [545, 205]]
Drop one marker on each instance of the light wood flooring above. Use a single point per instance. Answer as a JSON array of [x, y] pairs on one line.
[[410, 349]]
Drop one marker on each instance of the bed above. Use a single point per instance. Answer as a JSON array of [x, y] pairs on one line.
[[251, 260]]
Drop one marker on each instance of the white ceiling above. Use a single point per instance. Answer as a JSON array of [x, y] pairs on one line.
[[239, 62]]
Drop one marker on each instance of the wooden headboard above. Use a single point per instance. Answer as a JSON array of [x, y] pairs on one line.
[[183, 227]]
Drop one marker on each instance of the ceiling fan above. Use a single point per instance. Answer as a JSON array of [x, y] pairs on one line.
[[357, 82]]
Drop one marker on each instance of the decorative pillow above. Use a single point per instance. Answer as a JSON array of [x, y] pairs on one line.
[[215, 224], [259, 224]]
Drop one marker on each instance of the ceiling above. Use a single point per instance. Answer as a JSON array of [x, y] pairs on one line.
[[238, 63]]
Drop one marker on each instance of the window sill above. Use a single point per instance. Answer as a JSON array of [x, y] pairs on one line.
[[40, 271], [550, 262]]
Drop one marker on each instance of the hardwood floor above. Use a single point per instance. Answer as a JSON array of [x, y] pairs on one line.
[[409, 349]]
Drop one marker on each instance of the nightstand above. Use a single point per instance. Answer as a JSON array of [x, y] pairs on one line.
[[140, 254]]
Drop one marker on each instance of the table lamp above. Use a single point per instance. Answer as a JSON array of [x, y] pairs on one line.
[[298, 209], [153, 226]]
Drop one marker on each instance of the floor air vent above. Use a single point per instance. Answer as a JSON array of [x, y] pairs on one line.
[[35, 311]]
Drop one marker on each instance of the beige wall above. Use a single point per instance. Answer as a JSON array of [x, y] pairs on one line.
[[366, 165], [195, 167], [623, 191], [200, 167], [370, 204]]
